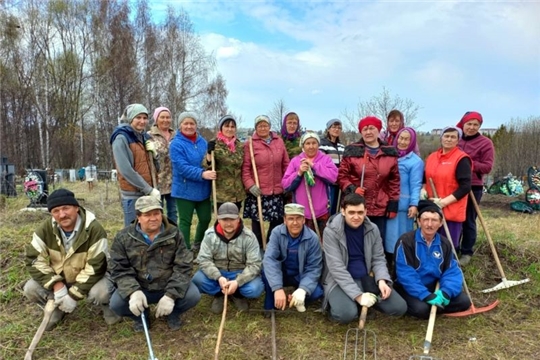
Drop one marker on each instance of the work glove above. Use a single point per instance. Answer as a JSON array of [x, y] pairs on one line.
[[59, 295], [360, 191], [67, 304], [391, 214], [435, 299], [137, 303], [155, 193], [298, 299], [150, 146], [255, 191], [423, 194], [368, 299], [445, 298], [165, 306], [211, 146], [437, 201]]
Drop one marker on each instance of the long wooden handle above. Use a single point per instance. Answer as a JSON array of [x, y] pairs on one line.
[[214, 192], [488, 236], [274, 345], [312, 210], [47, 313], [259, 201], [431, 325], [221, 326], [362, 320]]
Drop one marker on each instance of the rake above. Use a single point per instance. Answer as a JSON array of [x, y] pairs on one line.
[[505, 284], [473, 310]]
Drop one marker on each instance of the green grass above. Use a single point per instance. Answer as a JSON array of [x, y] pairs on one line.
[[510, 331]]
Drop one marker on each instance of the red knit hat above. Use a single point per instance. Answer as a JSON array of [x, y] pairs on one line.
[[470, 115], [370, 120]]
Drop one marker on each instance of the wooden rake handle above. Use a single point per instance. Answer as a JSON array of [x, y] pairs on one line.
[[259, 201], [221, 326], [47, 313], [214, 191]]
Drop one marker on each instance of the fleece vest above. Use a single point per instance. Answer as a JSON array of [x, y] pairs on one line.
[[141, 165], [442, 169]]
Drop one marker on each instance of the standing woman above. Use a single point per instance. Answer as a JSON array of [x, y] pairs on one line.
[[395, 122], [162, 134], [290, 133], [450, 169], [482, 153], [271, 160], [376, 163], [191, 182], [332, 146], [411, 171], [319, 171], [228, 157]]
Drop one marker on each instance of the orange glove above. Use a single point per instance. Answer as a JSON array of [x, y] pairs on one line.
[[391, 215], [360, 191]]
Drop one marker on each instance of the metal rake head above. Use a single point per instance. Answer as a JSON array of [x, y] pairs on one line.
[[423, 357], [353, 339], [505, 284]]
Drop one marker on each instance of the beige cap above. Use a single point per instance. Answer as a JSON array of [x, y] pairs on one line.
[[147, 203], [294, 209]]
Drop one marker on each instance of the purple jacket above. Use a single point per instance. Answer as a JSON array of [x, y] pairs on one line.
[[482, 153], [325, 173]]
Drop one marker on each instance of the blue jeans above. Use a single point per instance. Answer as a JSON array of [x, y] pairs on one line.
[[172, 213], [120, 306], [128, 207], [288, 281], [250, 290]]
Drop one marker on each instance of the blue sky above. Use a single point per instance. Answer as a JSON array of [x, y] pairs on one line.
[[322, 58]]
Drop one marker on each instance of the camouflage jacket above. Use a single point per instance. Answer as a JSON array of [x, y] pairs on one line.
[[229, 186], [165, 265], [165, 166], [293, 147], [239, 253], [81, 267]]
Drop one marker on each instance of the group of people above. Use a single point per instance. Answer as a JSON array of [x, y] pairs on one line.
[[341, 221]]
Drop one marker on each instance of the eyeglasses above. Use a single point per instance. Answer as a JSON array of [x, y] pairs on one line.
[[338, 127], [263, 126]]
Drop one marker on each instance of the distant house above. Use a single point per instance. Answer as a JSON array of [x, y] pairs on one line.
[[484, 131]]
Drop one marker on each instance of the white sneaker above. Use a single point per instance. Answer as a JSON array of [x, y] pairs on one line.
[[465, 260]]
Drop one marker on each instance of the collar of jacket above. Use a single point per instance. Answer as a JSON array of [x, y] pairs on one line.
[[306, 233], [168, 232]]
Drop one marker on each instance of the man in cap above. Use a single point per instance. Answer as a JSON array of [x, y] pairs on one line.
[[67, 259], [424, 258], [150, 264], [293, 257], [229, 261], [353, 249], [133, 154]]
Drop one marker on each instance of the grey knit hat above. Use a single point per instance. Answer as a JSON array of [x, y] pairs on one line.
[[187, 114], [262, 118], [309, 135], [224, 119], [332, 122], [132, 110]]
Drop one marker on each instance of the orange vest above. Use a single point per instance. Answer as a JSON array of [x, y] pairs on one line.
[[442, 169], [141, 165]]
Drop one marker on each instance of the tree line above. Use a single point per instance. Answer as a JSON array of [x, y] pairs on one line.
[[68, 69]]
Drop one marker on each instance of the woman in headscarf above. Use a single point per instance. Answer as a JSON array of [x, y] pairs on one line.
[[332, 146], [228, 157], [271, 161], [290, 133], [191, 182], [318, 170], [450, 170], [395, 122], [370, 168], [162, 134], [411, 171], [482, 153]]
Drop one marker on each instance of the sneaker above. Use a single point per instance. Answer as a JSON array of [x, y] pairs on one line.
[[217, 304], [56, 317], [138, 326], [465, 260], [240, 302], [109, 316], [174, 322]]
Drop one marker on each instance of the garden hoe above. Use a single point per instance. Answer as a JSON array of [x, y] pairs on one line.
[[368, 338], [472, 310], [221, 326], [147, 334], [47, 313], [505, 284]]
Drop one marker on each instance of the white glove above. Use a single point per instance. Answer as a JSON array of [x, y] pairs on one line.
[[368, 299], [438, 202], [423, 194], [58, 295], [165, 306], [137, 303], [155, 193], [255, 191], [151, 147], [298, 299], [67, 304]]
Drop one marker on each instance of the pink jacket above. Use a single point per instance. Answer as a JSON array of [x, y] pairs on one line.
[[325, 173], [271, 161]]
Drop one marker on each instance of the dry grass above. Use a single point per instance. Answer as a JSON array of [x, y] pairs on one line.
[[508, 332]]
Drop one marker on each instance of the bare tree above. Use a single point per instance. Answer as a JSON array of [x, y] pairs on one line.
[[276, 114], [214, 102], [380, 105]]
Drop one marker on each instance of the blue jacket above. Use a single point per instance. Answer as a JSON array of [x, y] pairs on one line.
[[187, 158], [419, 266], [309, 259]]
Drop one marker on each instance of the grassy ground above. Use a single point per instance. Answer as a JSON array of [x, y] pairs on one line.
[[510, 331]]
